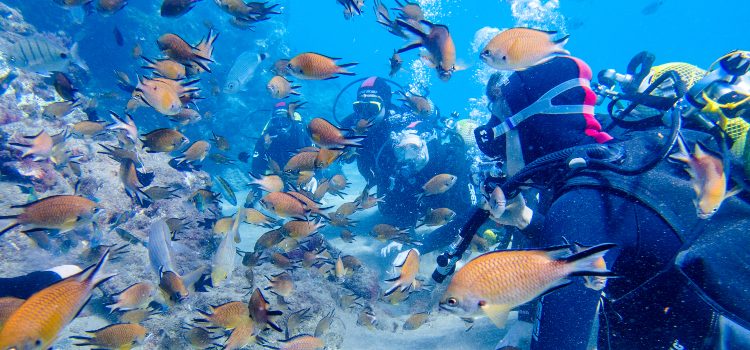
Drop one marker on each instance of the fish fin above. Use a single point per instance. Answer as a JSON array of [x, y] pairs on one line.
[[76, 59], [348, 64], [92, 274], [557, 285], [498, 314], [414, 30], [9, 227], [735, 190], [585, 261], [562, 41], [682, 153], [411, 46]]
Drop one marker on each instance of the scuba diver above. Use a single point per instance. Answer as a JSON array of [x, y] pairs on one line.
[[615, 183], [282, 135], [400, 154]]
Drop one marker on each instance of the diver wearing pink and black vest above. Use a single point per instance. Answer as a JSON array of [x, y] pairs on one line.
[[550, 107]]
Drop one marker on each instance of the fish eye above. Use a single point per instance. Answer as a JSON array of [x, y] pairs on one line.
[[38, 342], [505, 58], [63, 55], [452, 301], [485, 53]]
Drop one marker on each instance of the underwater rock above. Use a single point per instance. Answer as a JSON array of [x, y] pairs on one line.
[[12, 21]]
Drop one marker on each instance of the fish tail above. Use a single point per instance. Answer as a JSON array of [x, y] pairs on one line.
[[92, 275], [414, 30], [682, 153], [76, 58], [354, 141], [392, 289], [11, 226], [584, 263]]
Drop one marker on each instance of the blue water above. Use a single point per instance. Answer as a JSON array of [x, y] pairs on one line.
[[606, 34]]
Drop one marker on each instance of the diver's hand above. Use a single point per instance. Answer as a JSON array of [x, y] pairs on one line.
[[390, 248], [516, 213]]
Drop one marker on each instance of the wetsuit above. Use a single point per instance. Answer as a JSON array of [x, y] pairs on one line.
[[648, 216], [285, 140], [377, 163]]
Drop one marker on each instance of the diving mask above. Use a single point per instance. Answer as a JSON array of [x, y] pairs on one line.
[[411, 150], [367, 109]]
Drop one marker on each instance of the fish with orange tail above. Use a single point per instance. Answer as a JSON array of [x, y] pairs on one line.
[[494, 283], [519, 48], [40, 320], [55, 213], [314, 66], [121, 336], [707, 177], [591, 282], [327, 135], [260, 312], [8, 305], [407, 279], [438, 184]]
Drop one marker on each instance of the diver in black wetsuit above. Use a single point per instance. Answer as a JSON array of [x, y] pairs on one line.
[[24, 286], [626, 193], [282, 136], [400, 154]]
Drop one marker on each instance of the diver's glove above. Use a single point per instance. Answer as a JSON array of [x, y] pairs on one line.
[[516, 213], [390, 248]]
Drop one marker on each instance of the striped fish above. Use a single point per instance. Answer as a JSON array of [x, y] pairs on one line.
[[42, 56]]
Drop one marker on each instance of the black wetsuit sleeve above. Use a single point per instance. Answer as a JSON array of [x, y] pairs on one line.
[[24, 286]]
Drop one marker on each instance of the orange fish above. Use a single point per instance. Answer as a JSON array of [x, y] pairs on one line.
[[165, 68], [327, 135], [279, 87], [437, 217], [707, 177], [40, 147], [270, 183], [243, 335], [437, 184], [519, 48], [260, 311], [109, 7], [136, 296], [281, 284], [285, 205], [41, 319], [195, 153], [120, 336], [205, 48], [227, 316], [313, 66], [302, 161], [179, 50], [438, 43], [407, 279], [301, 228], [8, 305], [496, 282], [62, 213], [301, 342], [591, 282]]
